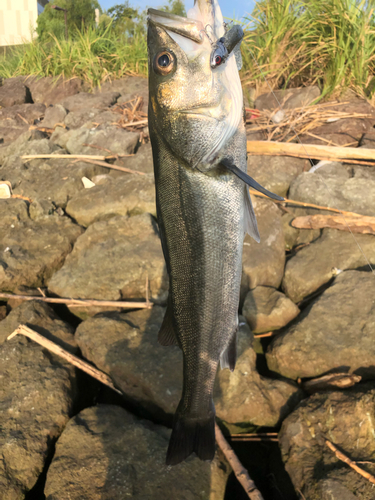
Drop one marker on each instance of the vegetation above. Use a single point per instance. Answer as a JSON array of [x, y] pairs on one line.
[[288, 42]]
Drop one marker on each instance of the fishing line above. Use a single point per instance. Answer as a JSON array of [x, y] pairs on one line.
[[312, 164]]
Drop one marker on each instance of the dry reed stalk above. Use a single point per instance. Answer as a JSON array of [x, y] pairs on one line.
[[341, 456], [71, 358], [240, 472], [114, 167], [354, 223], [306, 205], [317, 152], [80, 302], [263, 335]]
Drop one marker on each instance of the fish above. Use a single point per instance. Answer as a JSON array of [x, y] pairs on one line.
[[198, 138]]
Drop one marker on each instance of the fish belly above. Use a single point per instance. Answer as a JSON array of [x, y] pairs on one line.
[[201, 220]]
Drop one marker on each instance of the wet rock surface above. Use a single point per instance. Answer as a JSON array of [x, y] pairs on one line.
[[343, 418], [106, 453], [36, 400]]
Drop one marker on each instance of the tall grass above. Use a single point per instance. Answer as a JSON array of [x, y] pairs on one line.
[[94, 56], [303, 42], [289, 42]]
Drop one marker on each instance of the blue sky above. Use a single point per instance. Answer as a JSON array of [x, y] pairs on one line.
[[230, 8]]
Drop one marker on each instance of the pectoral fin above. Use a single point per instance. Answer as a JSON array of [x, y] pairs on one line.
[[250, 223], [249, 180], [167, 336]]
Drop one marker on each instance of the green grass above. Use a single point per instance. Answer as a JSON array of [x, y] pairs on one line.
[[93, 56], [290, 43], [326, 42]]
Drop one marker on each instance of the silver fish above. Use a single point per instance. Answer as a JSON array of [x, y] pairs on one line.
[[198, 141]]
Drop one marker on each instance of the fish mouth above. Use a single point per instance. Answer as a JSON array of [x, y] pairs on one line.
[[202, 112]]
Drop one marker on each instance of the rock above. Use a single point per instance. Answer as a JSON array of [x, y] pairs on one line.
[[84, 100], [106, 453], [316, 264], [129, 195], [244, 399], [335, 333], [76, 119], [125, 346], [46, 182], [33, 250], [266, 309], [36, 400], [13, 92], [41, 318], [142, 161], [289, 98], [13, 211], [344, 418], [54, 115], [129, 88], [338, 186], [112, 260], [263, 263], [16, 120], [108, 137], [275, 173], [295, 237], [49, 90]]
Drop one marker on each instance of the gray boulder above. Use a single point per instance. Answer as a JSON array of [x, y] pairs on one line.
[[127, 195], [125, 345], [275, 173], [337, 186], [112, 260], [54, 115], [316, 264], [33, 250], [49, 90], [263, 263], [335, 333], [343, 418], [84, 100], [142, 161], [106, 453], [13, 92], [288, 98], [107, 137], [36, 399], [16, 120], [266, 309]]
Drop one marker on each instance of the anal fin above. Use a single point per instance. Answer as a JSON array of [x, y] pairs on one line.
[[166, 335], [228, 357]]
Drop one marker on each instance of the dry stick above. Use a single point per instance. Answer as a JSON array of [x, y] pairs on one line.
[[307, 205], [71, 358], [80, 302], [133, 124], [96, 160], [351, 464], [114, 167], [309, 151], [241, 473]]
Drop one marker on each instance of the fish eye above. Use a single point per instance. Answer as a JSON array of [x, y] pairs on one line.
[[164, 62], [218, 60]]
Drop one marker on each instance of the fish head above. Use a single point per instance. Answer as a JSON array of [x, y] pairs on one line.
[[196, 101]]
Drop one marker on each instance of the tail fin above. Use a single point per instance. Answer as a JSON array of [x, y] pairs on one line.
[[192, 435]]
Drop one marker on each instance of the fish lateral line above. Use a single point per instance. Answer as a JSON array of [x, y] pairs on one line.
[[228, 163]]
